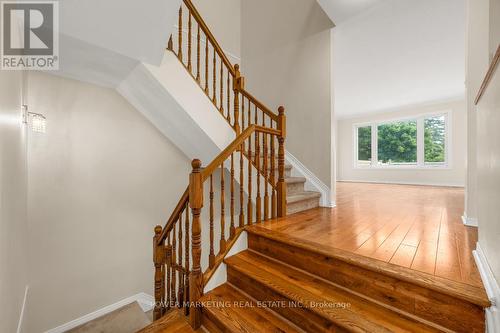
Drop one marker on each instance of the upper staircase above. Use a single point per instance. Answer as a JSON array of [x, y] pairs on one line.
[[277, 284]]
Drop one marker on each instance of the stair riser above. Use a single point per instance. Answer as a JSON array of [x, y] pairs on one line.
[[288, 173], [300, 206], [300, 316], [447, 311], [213, 325], [294, 188]]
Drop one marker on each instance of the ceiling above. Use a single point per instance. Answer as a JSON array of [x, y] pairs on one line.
[[340, 11], [400, 53]]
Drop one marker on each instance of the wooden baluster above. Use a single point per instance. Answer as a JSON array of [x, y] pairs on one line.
[[281, 186], [214, 78], [186, 275], [170, 45], [221, 108], [173, 288], [159, 263], [211, 257], [163, 273], [206, 65], [222, 246], [180, 291], [179, 52], [198, 40], [228, 97], [196, 276], [266, 179], [232, 230], [238, 84], [249, 118], [249, 190], [256, 136], [189, 67], [258, 203], [236, 106], [273, 178], [168, 251], [242, 215]]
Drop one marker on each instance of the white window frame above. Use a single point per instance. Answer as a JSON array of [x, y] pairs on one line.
[[421, 164]]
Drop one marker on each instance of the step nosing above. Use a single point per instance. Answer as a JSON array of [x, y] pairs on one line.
[[232, 293], [308, 298], [377, 266]]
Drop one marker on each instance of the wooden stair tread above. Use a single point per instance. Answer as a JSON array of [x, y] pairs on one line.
[[469, 293], [242, 315], [323, 298], [306, 195], [172, 322]]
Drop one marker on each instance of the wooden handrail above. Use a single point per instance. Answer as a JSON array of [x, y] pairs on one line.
[[207, 171], [219, 81], [209, 35], [174, 216], [234, 146], [259, 104], [489, 76]]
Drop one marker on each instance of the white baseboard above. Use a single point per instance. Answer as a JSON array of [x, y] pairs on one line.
[[21, 314], [146, 302], [492, 290], [401, 183], [312, 182], [469, 221]]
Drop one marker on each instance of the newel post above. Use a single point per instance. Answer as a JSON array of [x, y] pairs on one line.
[[238, 85], [281, 186], [196, 276], [159, 262]]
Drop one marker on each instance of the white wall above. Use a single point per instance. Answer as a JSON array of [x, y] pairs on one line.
[[494, 26], [477, 61], [223, 18], [100, 179], [399, 53], [14, 239], [286, 58], [455, 176], [488, 168]]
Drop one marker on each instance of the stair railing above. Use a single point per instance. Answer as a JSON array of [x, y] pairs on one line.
[[208, 64], [257, 189], [254, 195]]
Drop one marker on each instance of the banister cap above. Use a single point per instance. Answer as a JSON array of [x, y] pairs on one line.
[[281, 110], [158, 229], [196, 164]]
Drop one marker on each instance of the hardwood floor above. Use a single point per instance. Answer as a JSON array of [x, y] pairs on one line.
[[417, 227]]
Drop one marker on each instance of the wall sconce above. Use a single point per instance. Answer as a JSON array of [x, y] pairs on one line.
[[38, 121]]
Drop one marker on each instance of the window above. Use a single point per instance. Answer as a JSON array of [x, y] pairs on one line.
[[435, 139], [397, 143], [364, 145], [415, 142]]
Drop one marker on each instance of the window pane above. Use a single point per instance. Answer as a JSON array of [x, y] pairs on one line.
[[364, 145], [434, 139], [397, 143]]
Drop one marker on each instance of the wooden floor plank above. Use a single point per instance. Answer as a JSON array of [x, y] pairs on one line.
[[404, 255], [418, 227]]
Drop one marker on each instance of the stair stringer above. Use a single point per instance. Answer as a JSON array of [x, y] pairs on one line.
[[172, 101]]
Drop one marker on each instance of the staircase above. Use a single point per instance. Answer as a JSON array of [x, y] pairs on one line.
[[204, 59], [277, 284]]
